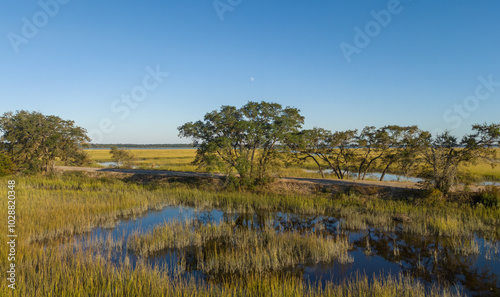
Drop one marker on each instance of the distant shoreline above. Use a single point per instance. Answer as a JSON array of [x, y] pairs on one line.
[[142, 146]]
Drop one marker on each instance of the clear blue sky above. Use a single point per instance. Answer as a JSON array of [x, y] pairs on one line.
[[76, 60]]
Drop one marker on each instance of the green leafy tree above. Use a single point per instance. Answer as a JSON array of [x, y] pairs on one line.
[[247, 141], [122, 157], [373, 143], [446, 154], [310, 144], [404, 148], [334, 150], [342, 150], [34, 141]]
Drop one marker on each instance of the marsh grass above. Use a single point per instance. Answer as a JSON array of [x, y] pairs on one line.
[[465, 246], [76, 271], [492, 249], [58, 206], [226, 249], [55, 206]]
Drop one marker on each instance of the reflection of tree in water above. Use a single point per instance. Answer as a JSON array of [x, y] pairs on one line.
[[431, 258], [252, 221], [284, 222], [204, 217]]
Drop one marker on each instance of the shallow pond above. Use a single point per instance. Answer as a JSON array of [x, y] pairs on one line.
[[432, 259]]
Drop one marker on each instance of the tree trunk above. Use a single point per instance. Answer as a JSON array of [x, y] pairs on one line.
[[384, 171], [319, 166]]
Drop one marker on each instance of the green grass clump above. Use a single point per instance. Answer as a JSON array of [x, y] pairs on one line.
[[225, 249]]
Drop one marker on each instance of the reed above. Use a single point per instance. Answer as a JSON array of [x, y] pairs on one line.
[[70, 271], [53, 207], [226, 249]]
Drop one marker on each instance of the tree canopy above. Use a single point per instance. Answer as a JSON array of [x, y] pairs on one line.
[[34, 141], [121, 157], [244, 140], [446, 153], [348, 152]]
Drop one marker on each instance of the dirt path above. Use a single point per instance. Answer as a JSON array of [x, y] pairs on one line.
[[384, 184]]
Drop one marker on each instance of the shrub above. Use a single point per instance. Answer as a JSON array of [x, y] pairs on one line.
[[434, 197], [489, 197]]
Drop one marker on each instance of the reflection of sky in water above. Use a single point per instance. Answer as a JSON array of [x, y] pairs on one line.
[[396, 177], [376, 176], [473, 271], [154, 218], [490, 183]]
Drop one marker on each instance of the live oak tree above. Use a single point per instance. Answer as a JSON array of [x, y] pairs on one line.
[[404, 147], [373, 143], [335, 150], [33, 141], [372, 149], [445, 153], [310, 144], [247, 141], [342, 152]]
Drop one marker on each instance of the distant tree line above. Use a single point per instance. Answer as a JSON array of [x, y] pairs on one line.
[[132, 145]]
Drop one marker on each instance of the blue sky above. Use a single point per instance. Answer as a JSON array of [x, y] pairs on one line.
[[424, 63]]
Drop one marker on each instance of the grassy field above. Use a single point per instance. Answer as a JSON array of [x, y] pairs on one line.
[[162, 159], [181, 160], [51, 208]]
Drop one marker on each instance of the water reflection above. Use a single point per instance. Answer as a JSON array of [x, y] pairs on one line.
[[468, 262], [435, 259]]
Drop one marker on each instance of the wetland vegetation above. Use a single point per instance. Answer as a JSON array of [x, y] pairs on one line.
[[245, 231], [266, 241]]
